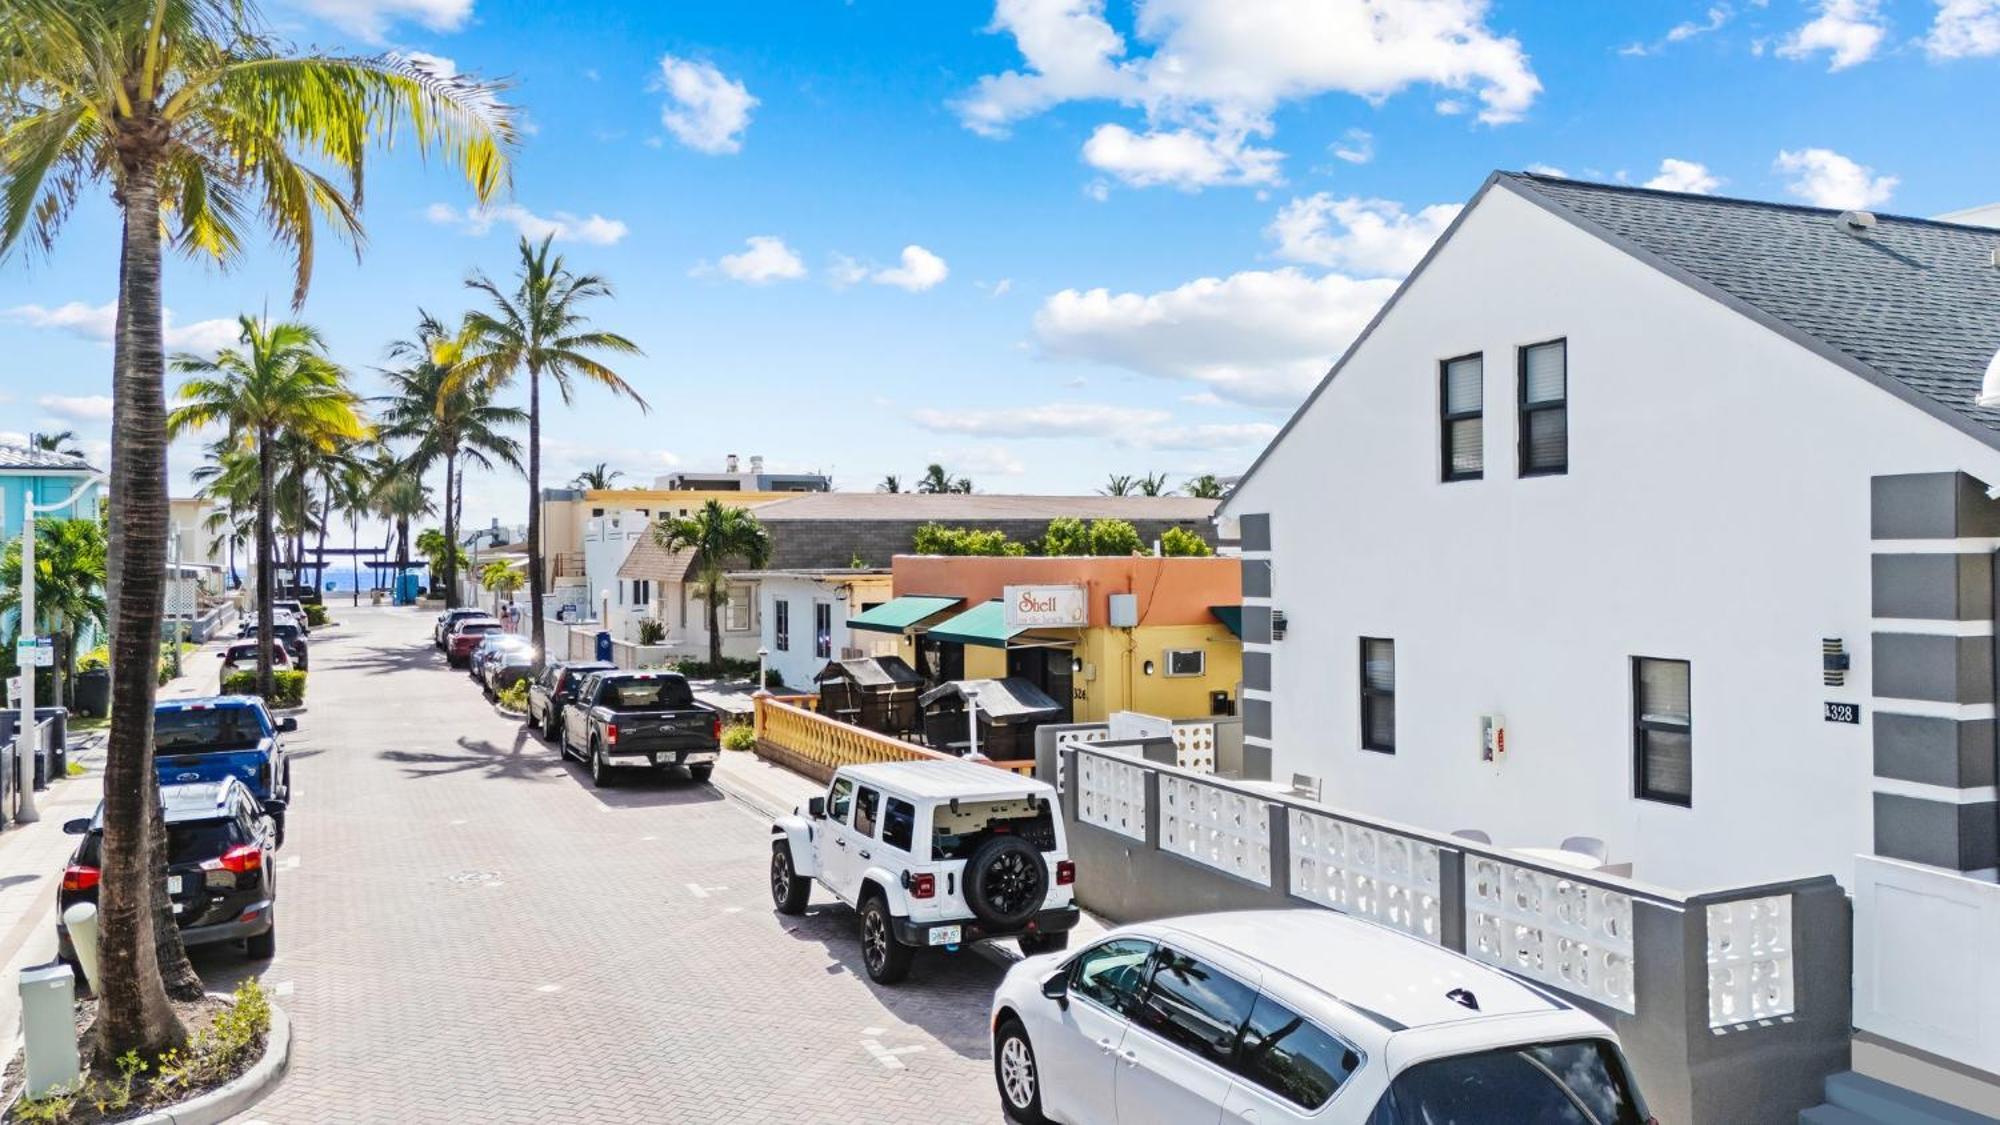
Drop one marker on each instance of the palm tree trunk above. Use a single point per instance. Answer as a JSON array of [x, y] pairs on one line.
[[265, 568], [354, 560], [450, 533], [535, 504], [715, 589], [134, 1012]]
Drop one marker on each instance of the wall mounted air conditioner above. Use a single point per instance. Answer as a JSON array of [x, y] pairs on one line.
[[1185, 662]]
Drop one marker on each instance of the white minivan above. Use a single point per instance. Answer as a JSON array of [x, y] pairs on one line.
[[1290, 1016]]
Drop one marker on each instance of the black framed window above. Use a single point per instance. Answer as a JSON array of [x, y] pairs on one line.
[[899, 824], [782, 626], [1544, 431], [822, 630], [1378, 694], [1462, 400], [1662, 731]]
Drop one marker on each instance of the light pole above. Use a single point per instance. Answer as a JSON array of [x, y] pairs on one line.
[[763, 654], [29, 736], [971, 717]]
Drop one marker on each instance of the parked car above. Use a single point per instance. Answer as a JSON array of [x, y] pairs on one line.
[[287, 631], [212, 737], [466, 635], [241, 656], [298, 611], [622, 720], [1295, 1015], [553, 689], [490, 646], [933, 854], [221, 878], [508, 666], [450, 617]]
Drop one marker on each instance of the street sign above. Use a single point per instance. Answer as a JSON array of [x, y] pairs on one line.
[[35, 652]]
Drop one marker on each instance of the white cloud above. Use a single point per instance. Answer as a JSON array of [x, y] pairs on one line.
[[1053, 420], [99, 323], [999, 288], [1262, 337], [371, 19], [1209, 436], [979, 461], [1548, 170], [1218, 70], [566, 227], [1849, 31], [1964, 29], [766, 259], [1184, 158], [920, 270], [15, 438], [1377, 238], [77, 408], [1685, 176], [1717, 16], [437, 64], [706, 110], [1825, 178], [1202, 398], [1356, 146]]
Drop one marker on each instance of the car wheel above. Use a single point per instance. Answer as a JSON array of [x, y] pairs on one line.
[[549, 733], [264, 946], [600, 773], [886, 959], [1019, 1079], [1032, 944], [701, 772], [788, 892]]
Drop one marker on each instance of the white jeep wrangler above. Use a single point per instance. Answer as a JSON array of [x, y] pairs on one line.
[[936, 854]]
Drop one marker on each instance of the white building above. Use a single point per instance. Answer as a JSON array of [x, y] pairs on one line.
[[1615, 472], [802, 618]]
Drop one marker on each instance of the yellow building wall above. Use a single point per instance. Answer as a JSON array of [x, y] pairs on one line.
[[983, 663], [1118, 659]]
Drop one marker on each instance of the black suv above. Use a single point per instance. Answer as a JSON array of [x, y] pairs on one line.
[[554, 688], [220, 876]]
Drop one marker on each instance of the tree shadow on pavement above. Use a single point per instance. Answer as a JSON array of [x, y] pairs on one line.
[[644, 789], [522, 761], [382, 661]]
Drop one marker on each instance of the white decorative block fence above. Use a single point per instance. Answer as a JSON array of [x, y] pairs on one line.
[[1750, 960], [1194, 746], [1564, 932], [1111, 794], [1223, 828], [1070, 740], [1367, 872]]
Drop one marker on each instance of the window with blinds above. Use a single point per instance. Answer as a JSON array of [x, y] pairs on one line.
[[1378, 694], [1544, 431], [1462, 399], [1662, 731]]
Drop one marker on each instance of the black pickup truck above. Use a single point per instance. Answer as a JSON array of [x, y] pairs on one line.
[[624, 720]]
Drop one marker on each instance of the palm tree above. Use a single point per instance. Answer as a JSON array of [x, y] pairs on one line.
[[1153, 484], [400, 496], [936, 480], [718, 536], [69, 588], [1205, 487], [450, 417], [188, 101], [595, 477], [1119, 484], [280, 382], [229, 477], [501, 579], [62, 441], [540, 330], [890, 483]]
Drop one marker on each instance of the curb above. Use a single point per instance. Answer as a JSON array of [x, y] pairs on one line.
[[241, 1092], [759, 802]]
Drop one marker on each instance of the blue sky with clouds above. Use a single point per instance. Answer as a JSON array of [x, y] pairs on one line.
[[1040, 241]]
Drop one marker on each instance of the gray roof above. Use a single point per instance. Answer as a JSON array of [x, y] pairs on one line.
[[15, 457], [1001, 701], [1914, 304], [979, 506]]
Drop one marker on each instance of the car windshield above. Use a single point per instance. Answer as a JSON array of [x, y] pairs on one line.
[[646, 695], [957, 832], [477, 628], [1579, 1082], [212, 728]]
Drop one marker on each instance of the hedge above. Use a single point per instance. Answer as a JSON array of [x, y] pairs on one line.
[[288, 687]]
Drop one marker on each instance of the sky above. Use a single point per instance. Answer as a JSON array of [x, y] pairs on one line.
[[1038, 241]]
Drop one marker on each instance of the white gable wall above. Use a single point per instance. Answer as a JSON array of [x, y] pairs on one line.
[[1716, 509]]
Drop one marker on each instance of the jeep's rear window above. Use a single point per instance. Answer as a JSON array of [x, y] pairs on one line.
[[1578, 1082], [956, 832], [646, 695], [212, 729], [899, 824]]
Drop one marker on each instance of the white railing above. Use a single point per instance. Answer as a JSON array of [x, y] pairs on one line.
[[1194, 745], [1111, 794], [1367, 872], [1927, 960], [1226, 829], [1564, 932]]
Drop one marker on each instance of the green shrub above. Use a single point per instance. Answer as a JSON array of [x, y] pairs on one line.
[[1066, 535], [652, 631], [288, 687], [1114, 537], [937, 539], [1179, 542], [739, 736], [514, 697], [315, 615]]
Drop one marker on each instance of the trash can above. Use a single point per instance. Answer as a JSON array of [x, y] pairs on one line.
[[93, 692], [603, 646]]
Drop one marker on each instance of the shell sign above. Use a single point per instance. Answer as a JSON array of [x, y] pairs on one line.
[[1061, 607]]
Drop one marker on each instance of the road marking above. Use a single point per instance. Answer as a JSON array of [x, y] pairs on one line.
[[550, 988], [289, 863], [456, 823], [699, 891], [649, 837], [282, 988], [732, 910], [888, 1056]]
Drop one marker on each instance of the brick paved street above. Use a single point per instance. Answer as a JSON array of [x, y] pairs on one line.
[[470, 933]]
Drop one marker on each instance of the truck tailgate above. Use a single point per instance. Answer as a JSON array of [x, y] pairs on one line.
[[664, 730], [245, 765]]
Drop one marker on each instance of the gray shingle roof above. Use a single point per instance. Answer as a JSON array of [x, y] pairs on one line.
[[15, 457], [1913, 302]]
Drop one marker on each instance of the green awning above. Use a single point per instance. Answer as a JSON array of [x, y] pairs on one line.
[[1231, 617], [898, 614], [983, 624]]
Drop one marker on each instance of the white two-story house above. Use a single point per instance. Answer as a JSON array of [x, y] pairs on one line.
[[1664, 521]]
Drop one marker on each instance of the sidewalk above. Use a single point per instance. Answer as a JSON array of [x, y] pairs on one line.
[[771, 789]]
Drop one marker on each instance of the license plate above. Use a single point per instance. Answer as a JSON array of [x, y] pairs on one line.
[[173, 884], [945, 935]]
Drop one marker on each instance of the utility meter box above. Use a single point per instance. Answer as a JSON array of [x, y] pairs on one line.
[[48, 1027], [1124, 610]]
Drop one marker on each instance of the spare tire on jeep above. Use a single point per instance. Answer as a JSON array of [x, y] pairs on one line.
[[1006, 882]]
